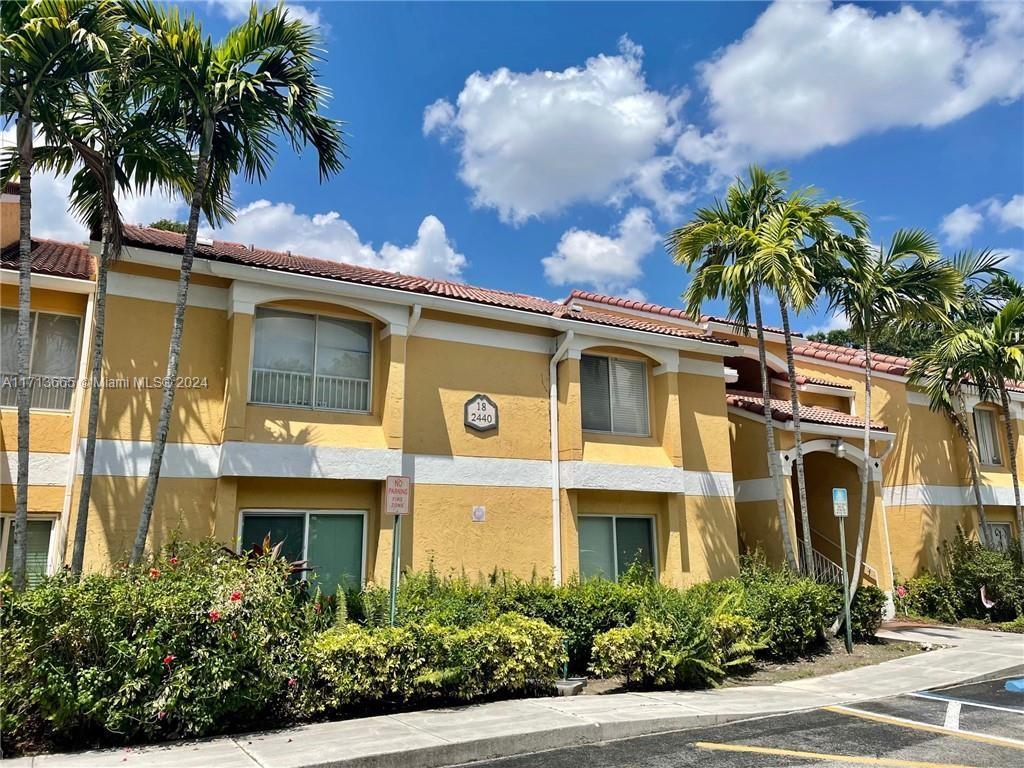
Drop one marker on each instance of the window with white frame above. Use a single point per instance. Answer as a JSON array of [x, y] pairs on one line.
[[53, 359], [37, 562], [1000, 535], [332, 542], [614, 395], [988, 437], [610, 544], [311, 361]]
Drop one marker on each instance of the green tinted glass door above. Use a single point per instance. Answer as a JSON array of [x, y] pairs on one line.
[[336, 551], [38, 549], [281, 528], [633, 539], [597, 552]]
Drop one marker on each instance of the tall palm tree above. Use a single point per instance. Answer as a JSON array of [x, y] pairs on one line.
[[711, 243], [110, 139], [44, 45], [890, 288], [230, 99]]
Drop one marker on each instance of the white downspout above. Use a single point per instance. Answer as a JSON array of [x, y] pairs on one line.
[[79, 401], [414, 317], [890, 604], [556, 517]]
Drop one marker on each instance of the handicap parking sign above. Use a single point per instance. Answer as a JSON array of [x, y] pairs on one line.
[[839, 505]]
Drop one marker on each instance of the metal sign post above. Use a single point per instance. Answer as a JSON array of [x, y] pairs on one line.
[[841, 509], [397, 490]]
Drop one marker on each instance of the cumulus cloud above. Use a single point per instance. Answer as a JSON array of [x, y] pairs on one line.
[[960, 224], [531, 143], [608, 263], [809, 75], [237, 10], [278, 226], [1013, 259]]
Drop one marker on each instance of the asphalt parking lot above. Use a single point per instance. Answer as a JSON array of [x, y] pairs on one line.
[[978, 724]]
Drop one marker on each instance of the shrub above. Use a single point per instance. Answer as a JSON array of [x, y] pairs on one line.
[[971, 566], [791, 611], [355, 666], [866, 612], [196, 642], [926, 596]]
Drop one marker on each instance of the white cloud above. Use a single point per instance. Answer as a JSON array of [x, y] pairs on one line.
[[237, 10], [838, 321], [610, 264], [1013, 259], [532, 143], [278, 226], [1010, 214], [958, 225], [809, 75]]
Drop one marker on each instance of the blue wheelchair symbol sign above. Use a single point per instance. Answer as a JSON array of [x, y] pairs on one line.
[[839, 504]]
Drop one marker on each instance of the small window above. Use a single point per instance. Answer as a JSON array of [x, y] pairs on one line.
[[1000, 535], [38, 559], [988, 437], [614, 395], [332, 542], [53, 359], [311, 361], [610, 545]]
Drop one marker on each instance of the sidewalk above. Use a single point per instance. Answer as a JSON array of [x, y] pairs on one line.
[[449, 736]]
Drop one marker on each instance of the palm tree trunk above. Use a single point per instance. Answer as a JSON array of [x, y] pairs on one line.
[[960, 422], [174, 348], [95, 379], [794, 401], [1011, 449], [769, 430], [24, 391], [865, 478]]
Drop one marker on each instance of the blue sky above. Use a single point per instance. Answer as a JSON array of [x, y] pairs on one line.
[[540, 147]]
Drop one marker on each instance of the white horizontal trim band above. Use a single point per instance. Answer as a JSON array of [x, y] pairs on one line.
[[761, 489], [43, 468], [946, 496], [120, 458], [441, 330], [166, 291]]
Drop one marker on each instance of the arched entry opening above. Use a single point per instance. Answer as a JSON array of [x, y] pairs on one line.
[[823, 471]]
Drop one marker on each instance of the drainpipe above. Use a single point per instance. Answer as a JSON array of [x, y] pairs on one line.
[[556, 518], [890, 606], [79, 402]]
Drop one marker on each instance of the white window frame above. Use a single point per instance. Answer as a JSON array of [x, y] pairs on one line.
[[615, 540], [316, 316], [7, 530], [305, 513], [996, 441], [611, 410], [35, 313], [1007, 526]]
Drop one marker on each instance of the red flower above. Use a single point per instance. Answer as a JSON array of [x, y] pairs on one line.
[[214, 615], [154, 573], [236, 596], [292, 682], [901, 591], [168, 659], [161, 715], [174, 560]]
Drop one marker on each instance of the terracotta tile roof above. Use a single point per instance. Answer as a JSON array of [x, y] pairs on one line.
[[51, 257], [833, 353], [739, 328], [638, 306], [802, 379], [236, 253], [783, 411]]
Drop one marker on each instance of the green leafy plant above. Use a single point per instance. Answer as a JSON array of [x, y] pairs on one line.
[[866, 612]]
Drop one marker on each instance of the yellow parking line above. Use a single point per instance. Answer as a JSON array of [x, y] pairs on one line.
[[853, 759], [914, 725]]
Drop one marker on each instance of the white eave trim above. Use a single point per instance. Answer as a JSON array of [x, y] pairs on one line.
[[50, 282], [855, 368], [737, 330], [824, 389], [329, 287], [814, 428]]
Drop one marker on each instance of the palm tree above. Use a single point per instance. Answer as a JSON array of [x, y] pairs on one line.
[[230, 99], [44, 45], [889, 288], [708, 246], [110, 139]]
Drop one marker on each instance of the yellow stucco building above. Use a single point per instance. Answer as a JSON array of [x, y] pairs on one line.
[[541, 438]]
